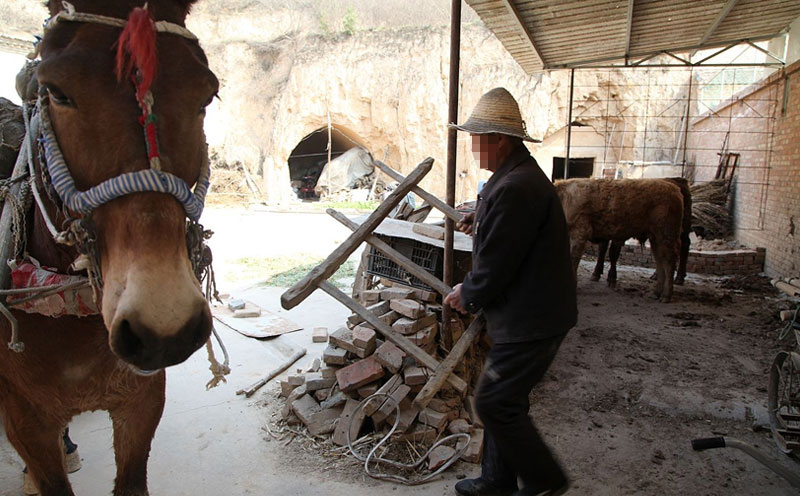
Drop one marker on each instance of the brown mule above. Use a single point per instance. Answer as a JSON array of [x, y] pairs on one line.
[[153, 311]]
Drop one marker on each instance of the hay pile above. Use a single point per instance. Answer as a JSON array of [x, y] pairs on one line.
[[711, 217]]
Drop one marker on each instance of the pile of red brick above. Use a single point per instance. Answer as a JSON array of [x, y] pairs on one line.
[[358, 364]]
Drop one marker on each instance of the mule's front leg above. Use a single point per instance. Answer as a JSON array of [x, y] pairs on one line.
[[38, 442], [135, 423]]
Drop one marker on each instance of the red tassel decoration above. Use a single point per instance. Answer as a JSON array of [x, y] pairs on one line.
[[136, 50]]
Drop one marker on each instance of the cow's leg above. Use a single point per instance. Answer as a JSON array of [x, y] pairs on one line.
[[670, 250], [655, 250], [135, 421], [577, 247], [602, 246], [613, 257], [37, 439], [684, 256]]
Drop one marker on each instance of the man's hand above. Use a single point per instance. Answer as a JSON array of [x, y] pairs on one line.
[[454, 299], [465, 225]]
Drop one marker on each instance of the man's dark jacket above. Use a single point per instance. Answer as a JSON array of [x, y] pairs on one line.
[[521, 270]]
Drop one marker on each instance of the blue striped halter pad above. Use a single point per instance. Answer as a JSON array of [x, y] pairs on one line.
[[145, 180]]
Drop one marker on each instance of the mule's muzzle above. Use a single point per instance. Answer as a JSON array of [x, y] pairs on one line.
[[146, 349]]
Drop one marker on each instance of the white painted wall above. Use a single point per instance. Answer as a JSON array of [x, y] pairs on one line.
[[10, 65], [793, 49]]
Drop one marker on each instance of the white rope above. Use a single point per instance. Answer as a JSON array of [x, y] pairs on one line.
[[69, 14], [408, 466]]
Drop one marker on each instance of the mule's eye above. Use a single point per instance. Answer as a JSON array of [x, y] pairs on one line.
[[57, 96], [208, 102]]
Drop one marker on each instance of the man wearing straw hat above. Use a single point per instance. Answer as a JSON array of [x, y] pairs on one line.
[[523, 282]]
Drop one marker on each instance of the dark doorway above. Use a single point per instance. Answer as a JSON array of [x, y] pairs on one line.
[[310, 156], [578, 167]]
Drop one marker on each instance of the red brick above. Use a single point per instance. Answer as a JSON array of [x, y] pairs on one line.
[[408, 308], [390, 356], [358, 374]]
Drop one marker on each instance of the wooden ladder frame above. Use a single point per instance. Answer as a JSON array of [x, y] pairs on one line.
[[318, 278]]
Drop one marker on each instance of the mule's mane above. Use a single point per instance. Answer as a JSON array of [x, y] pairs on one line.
[[136, 50]]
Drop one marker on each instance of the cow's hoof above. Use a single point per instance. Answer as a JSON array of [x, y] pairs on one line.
[[655, 296], [612, 284], [679, 282], [665, 299], [595, 277]]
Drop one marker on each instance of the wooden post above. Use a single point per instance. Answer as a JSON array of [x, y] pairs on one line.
[[452, 149], [395, 256], [300, 291], [396, 338], [436, 381]]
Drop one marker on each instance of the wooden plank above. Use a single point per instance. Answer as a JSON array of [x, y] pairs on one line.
[[432, 199], [300, 291], [445, 369], [398, 339], [395, 256]]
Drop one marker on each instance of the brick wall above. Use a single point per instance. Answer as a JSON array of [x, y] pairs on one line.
[[720, 263], [764, 127]]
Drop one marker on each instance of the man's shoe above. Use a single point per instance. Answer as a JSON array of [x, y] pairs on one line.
[[482, 487]]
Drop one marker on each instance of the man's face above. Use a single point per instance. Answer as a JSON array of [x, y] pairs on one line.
[[485, 148]]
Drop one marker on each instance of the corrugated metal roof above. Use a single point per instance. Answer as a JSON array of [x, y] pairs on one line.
[[551, 34]]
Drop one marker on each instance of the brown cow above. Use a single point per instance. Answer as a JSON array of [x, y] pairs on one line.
[[622, 209], [616, 246]]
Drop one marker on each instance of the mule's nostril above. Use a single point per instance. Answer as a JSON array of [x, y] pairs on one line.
[[129, 345]]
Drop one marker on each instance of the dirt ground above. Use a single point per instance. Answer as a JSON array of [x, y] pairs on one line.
[[634, 383]]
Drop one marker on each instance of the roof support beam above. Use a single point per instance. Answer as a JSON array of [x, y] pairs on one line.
[[628, 29], [526, 35], [721, 17], [769, 54], [600, 62]]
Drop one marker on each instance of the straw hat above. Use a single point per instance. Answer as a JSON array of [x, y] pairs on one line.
[[496, 112]]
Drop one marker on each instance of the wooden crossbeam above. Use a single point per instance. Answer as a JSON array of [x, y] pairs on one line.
[[432, 199], [395, 337], [395, 256], [300, 291], [445, 368]]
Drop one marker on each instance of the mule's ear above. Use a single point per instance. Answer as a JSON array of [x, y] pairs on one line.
[[186, 4]]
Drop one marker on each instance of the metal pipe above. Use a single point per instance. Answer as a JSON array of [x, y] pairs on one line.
[[686, 124], [452, 117], [569, 121]]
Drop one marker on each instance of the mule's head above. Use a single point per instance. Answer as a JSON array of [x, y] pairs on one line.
[[152, 304]]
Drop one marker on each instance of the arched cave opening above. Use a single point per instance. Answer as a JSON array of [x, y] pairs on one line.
[[309, 157]]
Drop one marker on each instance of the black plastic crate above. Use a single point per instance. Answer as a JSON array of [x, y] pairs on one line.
[[430, 258]]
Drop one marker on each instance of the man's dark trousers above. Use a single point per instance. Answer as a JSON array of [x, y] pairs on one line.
[[512, 446]]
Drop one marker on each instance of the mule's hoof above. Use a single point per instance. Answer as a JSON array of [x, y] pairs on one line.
[[665, 299], [594, 278], [612, 284], [679, 282]]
